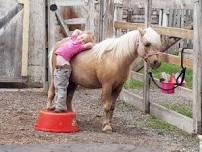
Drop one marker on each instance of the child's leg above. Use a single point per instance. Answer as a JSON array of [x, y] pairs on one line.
[[61, 81]]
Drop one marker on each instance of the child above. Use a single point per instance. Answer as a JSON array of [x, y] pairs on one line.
[[78, 42]]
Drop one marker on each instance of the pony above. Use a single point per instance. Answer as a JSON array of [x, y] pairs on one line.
[[107, 66]]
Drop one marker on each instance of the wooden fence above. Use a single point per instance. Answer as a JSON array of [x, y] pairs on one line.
[[190, 125]]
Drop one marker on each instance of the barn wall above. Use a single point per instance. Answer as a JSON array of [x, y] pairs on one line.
[[37, 41], [10, 40], [11, 29]]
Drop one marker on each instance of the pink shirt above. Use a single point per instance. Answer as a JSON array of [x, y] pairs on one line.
[[70, 48]]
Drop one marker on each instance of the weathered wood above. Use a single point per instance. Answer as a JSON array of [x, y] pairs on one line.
[[172, 117], [169, 31], [132, 99], [173, 59], [164, 4], [68, 2], [197, 68], [25, 37], [37, 43], [6, 18], [159, 111], [10, 49], [14, 80], [61, 23], [51, 32], [75, 21], [148, 9], [51, 27], [108, 18], [165, 18], [118, 15]]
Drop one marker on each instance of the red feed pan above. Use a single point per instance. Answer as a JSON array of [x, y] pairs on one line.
[[167, 85], [57, 122]]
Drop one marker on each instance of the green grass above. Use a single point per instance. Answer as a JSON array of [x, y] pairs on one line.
[[156, 123], [170, 68], [180, 108], [133, 84]]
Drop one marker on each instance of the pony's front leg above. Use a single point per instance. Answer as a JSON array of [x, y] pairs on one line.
[[51, 95], [70, 93], [107, 104]]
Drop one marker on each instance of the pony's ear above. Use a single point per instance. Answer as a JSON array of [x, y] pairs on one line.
[[142, 31]]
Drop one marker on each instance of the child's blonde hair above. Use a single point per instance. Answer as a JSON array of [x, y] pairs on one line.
[[91, 36]]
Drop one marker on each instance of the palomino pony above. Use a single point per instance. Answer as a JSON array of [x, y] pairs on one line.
[[107, 66]]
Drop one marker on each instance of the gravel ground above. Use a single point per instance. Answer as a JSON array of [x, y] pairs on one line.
[[19, 111]]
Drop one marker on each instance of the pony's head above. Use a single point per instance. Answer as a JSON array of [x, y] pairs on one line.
[[149, 47]]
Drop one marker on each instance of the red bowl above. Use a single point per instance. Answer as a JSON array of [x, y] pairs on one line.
[[57, 122]]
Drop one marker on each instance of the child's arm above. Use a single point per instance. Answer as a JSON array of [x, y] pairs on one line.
[[88, 45], [76, 32]]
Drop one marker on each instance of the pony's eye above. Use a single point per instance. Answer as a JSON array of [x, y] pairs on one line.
[[148, 44]]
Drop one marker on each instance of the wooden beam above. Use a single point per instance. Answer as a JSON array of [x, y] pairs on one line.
[[108, 18], [14, 80], [132, 99], [168, 31], [25, 37], [148, 9], [173, 59], [197, 68], [163, 4], [68, 2], [61, 22], [170, 116], [74, 21]]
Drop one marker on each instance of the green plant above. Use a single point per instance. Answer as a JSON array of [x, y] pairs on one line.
[[180, 108], [133, 84], [156, 123]]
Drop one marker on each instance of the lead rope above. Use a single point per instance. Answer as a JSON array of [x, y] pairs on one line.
[[182, 74]]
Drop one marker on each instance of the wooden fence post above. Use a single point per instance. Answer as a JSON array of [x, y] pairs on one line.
[[51, 33], [148, 10], [25, 37], [108, 18], [197, 68], [118, 13]]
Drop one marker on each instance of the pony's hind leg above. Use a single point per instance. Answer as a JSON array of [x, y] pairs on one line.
[[109, 101], [51, 95], [70, 93]]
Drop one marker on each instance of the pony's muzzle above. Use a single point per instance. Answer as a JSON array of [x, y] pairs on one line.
[[155, 64]]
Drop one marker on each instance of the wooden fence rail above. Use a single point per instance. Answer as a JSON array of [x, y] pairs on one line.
[[168, 31]]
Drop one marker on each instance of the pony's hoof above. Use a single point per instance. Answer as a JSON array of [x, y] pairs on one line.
[[107, 129]]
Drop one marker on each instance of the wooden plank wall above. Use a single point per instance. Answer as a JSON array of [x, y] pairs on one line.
[[10, 42]]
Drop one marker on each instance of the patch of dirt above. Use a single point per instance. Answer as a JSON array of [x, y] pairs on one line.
[[19, 111]]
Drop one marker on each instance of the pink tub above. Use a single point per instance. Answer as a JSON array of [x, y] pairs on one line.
[[167, 85]]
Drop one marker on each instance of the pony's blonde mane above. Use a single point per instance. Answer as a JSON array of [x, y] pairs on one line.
[[120, 47], [153, 37], [125, 45]]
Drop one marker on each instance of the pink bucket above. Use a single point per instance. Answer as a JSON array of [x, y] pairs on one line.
[[167, 85]]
